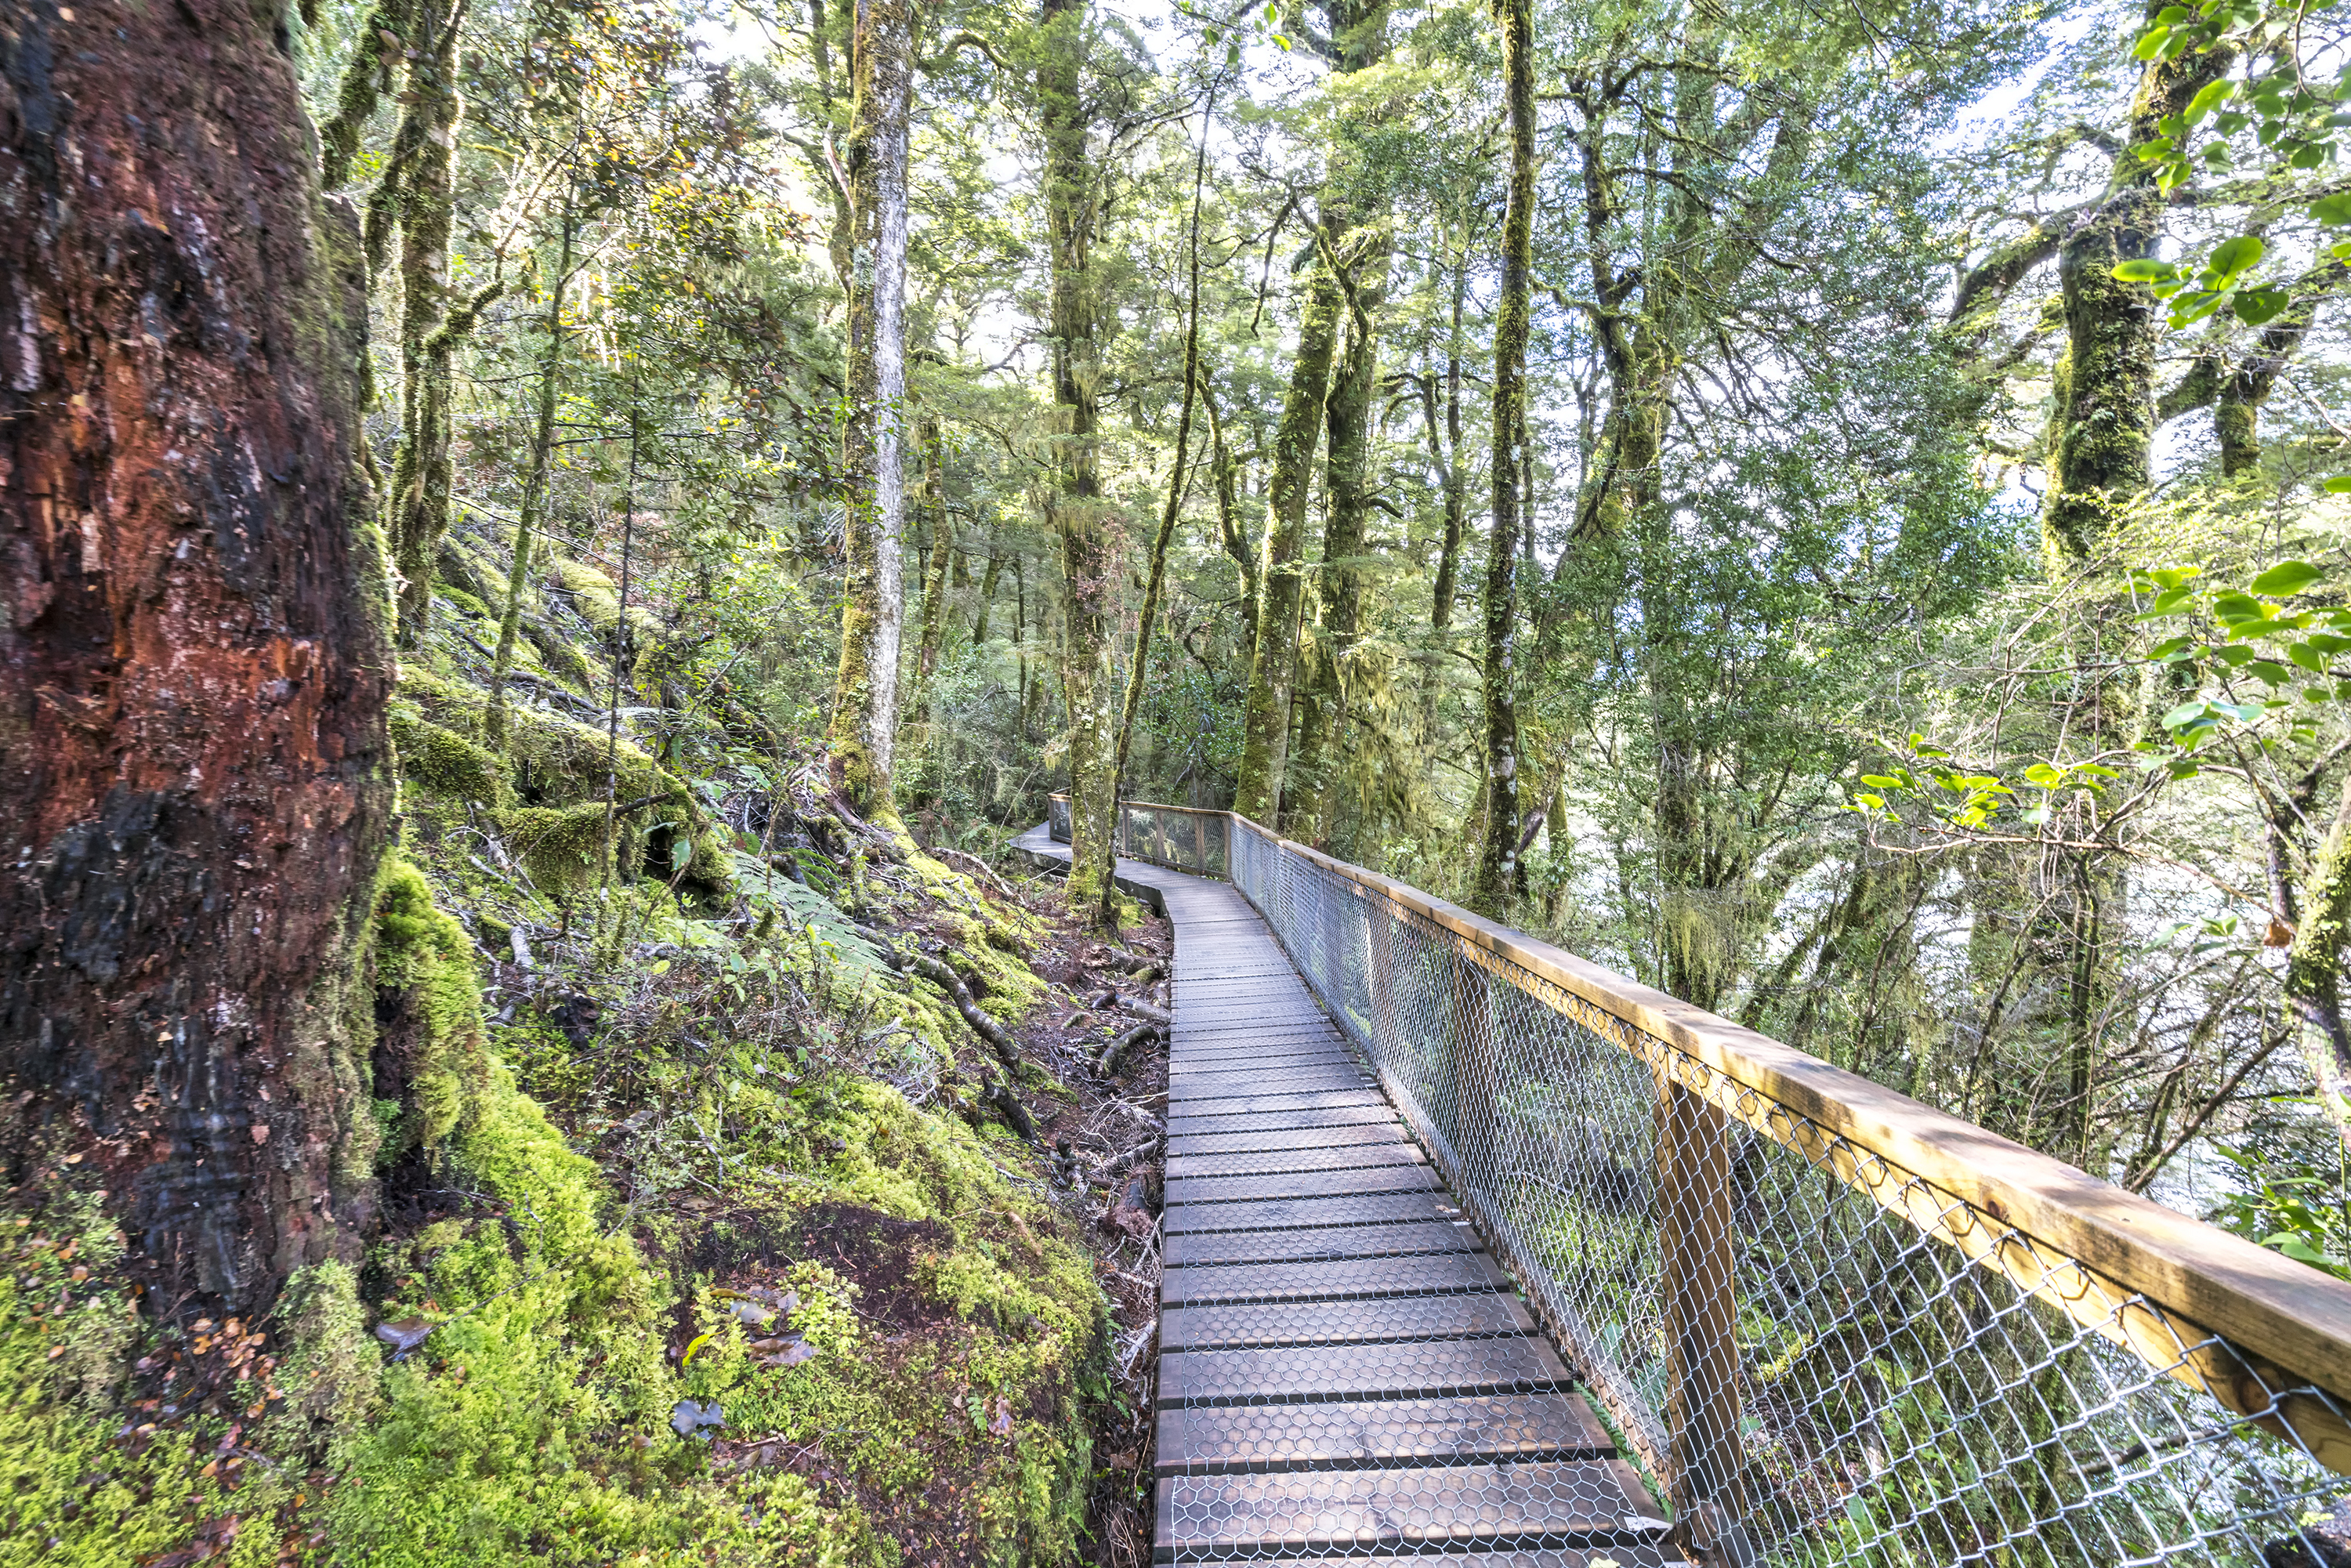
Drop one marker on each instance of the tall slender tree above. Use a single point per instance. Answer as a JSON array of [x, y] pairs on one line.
[[873, 601], [1178, 472], [1081, 516], [1273, 661], [1498, 863]]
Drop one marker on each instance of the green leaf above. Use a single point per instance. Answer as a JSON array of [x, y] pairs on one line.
[[1874, 802], [2146, 270], [2269, 672], [2211, 97], [2186, 712], [2340, 484], [2255, 305], [1881, 781], [2288, 577], [2040, 773], [2150, 43], [2232, 259], [2333, 211], [2095, 770], [2308, 657], [2174, 576]]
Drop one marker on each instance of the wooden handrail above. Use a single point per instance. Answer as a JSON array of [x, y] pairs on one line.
[[2083, 1244]]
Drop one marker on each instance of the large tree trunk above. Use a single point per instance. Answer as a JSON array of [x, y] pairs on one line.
[[1498, 865], [1360, 33], [1083, 521], [195, 661], [873, 601]]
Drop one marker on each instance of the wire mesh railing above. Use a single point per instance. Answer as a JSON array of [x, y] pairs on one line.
[[1832, 1324], [1181, 838]]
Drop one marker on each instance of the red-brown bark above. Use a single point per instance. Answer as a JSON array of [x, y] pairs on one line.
[[193, 780]]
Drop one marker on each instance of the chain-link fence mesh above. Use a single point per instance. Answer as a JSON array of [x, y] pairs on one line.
[[1807, 1352], [1174, 836]]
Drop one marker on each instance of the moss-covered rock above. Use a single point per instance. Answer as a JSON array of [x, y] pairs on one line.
[[560, 846], [437, 758], [598, 599], [561, 764]]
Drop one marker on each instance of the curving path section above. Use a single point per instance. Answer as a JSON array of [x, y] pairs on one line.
[[1343, 1371]]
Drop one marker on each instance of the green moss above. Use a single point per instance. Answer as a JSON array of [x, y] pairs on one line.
[[465, 603], [598, 601], [331, 1372], [560, 846], [437, 758], [565, 764], [421, 955], [71, 1491]]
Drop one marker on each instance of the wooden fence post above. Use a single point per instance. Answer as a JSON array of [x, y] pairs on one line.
[[1695, 1210]]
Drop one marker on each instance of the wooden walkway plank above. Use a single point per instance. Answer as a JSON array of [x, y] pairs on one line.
[[1344, 1374]]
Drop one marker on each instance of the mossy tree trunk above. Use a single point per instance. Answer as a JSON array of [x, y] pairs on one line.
[[874, 599], [194, 754], [1359, 37], [2101, 452], [988, 582], [424, 153], [2236, 396], [2321, 922], [1273, 659], [1445, 458], [1079, 515], [2102, 427], [414, 199], [1348, 416], [1497, 863]]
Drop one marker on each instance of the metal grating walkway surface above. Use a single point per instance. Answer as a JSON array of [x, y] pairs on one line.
[[1343, 1372]]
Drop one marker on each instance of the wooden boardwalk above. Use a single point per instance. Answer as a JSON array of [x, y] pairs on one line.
[[1343, 1370]]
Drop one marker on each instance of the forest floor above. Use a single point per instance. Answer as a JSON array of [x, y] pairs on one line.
[[1099, 1149], [751, 1189]]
